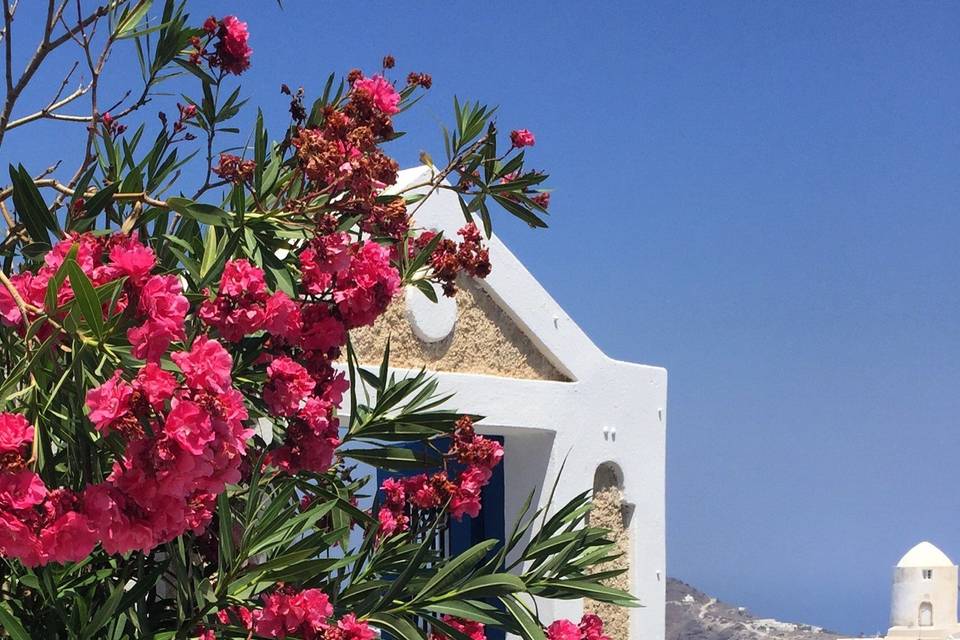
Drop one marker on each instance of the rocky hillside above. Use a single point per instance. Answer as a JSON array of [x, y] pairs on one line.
[[692, 615]]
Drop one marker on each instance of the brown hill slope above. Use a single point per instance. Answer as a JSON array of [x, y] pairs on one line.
[[693, 615]]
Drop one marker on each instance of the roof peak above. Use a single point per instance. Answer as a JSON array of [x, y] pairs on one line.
[[925, 554]]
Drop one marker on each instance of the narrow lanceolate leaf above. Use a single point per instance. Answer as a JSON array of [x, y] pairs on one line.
[[496, 584], [456, 570], [86, 298], [201, 212], [31, 208], [227, 552], [396, 626], [469, 610], [11, 624], [210, 247], [530, 627], [104, 613], [132, 18], [392, 458]]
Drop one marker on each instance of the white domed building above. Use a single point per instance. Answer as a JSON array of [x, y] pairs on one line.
[[923, 601]]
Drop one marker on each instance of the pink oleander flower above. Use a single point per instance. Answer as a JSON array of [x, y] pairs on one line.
[[325, 256], [242, 279], [522, 138], [368, 286], [15, 432], [239, 308], [232, 50], [69, 538], [464, 503], [206, 366], [353, 629], [21, 490], [156, 384], [282, 317], [109, 402], [17, 540], [311, 439], [322, 332], [287, 613], [390, 522], [288, 384], [165, 307], [133, 260], [190, 426], [383, 94], [563, 630], [237, 615], [421, 492], [591, 627]]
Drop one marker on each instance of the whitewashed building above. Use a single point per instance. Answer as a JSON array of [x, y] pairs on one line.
[[923, 600], [510, 353]]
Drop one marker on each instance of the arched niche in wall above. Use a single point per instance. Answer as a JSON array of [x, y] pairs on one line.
[[612, 511]]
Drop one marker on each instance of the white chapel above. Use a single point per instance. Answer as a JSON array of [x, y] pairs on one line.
[[923, 601]]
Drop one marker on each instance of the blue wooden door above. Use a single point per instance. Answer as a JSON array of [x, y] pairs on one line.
[[489, 524]]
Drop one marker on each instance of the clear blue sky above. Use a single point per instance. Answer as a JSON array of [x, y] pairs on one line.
[[761, 197]]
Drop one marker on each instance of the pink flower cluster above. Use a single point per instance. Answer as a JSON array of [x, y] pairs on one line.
[[349, 284], [243, 306], [479, 455], [522, 138], [449, 258], [470, 628], [184, 443], [590, 628], [231, 51], [154, 303], [358, 277], [304, 614], [380, 91]]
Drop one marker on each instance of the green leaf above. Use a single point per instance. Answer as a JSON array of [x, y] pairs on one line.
[[456, 570], [99, 200], [396, 626], [30, 206], [530, 627], [210, 247], [86, 298], [201, 212], [575, 589], [132, 19], [259, 152], [11, 623], [227, 554], [392, 458], [195, 69], [104, 613], [519, 211], [468, 610], [217, 267], [495, 584]]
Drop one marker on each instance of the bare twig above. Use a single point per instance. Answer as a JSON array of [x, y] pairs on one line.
[[56, 103], [139, 196], [47, 45]]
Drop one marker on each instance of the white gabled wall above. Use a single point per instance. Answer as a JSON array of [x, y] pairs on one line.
[[612, 411]]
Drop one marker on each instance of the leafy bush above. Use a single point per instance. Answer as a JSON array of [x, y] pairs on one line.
[[182, 412]]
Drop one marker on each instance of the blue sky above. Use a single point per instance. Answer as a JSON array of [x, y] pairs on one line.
[[761, 197]]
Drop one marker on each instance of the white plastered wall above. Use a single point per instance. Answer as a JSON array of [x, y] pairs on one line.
[[610, 411]]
